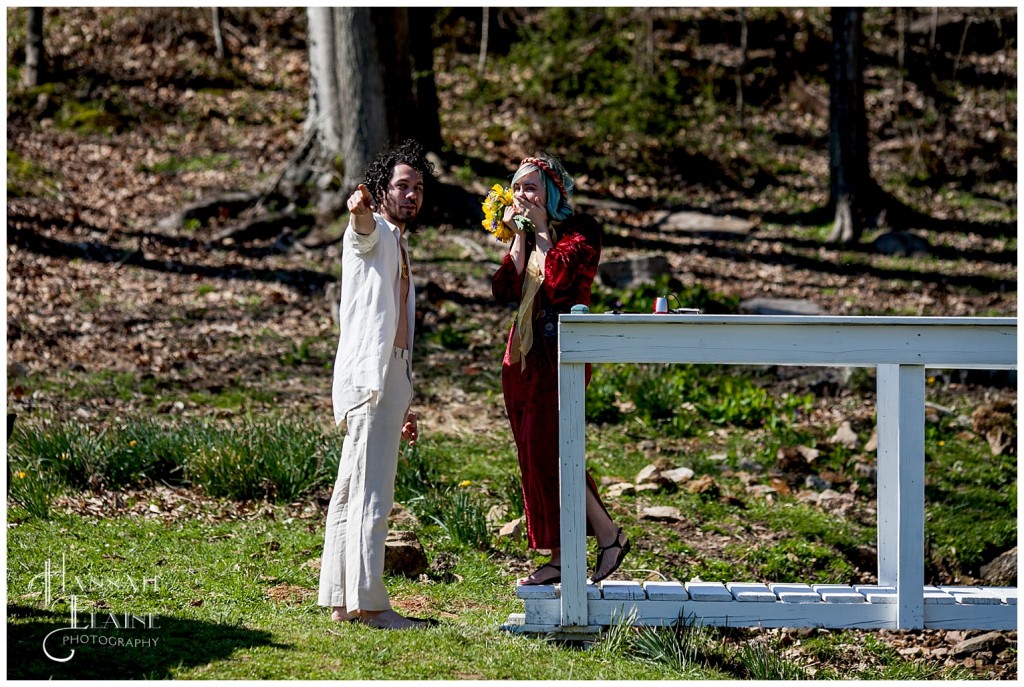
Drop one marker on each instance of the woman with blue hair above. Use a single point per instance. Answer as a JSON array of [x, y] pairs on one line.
[[550, 267]]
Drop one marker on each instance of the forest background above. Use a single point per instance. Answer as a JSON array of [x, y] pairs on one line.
[[170, 275]]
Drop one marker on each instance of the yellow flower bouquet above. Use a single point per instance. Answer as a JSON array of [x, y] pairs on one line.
[[499, 198]]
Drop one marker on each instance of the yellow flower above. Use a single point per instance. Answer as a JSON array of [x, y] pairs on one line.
[[942, 443], [21, 475], [132, 442], [494, 205], [465, 483], [63, 456]]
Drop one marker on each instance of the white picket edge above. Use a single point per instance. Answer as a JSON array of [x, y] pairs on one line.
[[866, 589], [800, 587], [800, 597], [622, 590], [881, 598], [884, 594], [1008, 595], [666, 591], [751, 592], [843, 598], [832, 588], [937, 596], [838, 594], [537, 591], [708, 591], [979, 596], [794, 593], [977, 600]]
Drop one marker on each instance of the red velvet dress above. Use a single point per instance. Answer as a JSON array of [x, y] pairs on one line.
[[531, 395]]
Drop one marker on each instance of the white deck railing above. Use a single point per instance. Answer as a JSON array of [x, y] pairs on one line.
[[900, 348]]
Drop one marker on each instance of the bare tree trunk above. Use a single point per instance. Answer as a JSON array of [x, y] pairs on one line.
[[394, 54], [360, 90], [362, 96], [649, 43], [324, 112], [427, 124], [901, 47], [935, 30], [485, 30], [35, 56], [742, 66], [218, 36], [963, 40], [850, 179]]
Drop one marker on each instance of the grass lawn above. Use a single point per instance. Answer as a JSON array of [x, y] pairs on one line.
[[222, 588], [235, 600]]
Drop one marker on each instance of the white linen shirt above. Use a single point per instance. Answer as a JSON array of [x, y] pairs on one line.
[[368, 315]]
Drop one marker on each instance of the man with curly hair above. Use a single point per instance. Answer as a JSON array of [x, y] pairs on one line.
[[373, 385]]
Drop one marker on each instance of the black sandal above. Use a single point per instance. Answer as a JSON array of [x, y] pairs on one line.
[[552, 580], [602, 550]]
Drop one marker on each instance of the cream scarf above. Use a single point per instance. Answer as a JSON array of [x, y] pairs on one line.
[[522, 336]]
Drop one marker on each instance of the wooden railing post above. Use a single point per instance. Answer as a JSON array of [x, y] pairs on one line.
[[572, 485], [901, 489]]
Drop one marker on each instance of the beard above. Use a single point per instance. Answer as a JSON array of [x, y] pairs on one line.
[[402, 213]]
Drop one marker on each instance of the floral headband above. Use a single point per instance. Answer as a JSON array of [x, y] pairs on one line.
[[552, 174]]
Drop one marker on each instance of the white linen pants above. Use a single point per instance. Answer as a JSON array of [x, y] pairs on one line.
[[352, 565]]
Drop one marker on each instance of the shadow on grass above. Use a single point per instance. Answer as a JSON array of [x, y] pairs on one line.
[[139, 652]]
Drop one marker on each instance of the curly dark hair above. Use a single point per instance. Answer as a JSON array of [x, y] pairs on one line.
[[408, 152]]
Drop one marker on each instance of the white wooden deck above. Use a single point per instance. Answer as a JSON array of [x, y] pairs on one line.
[[753, 604], [900, 348]]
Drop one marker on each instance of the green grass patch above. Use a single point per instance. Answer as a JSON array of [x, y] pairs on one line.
[[798, 559], [463, 517], [236, 602], [270, 460], [276, 462], [686, 400], [970, 502], [799, 520], [229, 599]]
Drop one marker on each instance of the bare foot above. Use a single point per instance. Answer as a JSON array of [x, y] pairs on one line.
[[389, 620], [340, 615]]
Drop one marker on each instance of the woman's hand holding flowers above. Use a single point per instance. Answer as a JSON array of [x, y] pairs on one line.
[[508, 214], [496, 207]]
